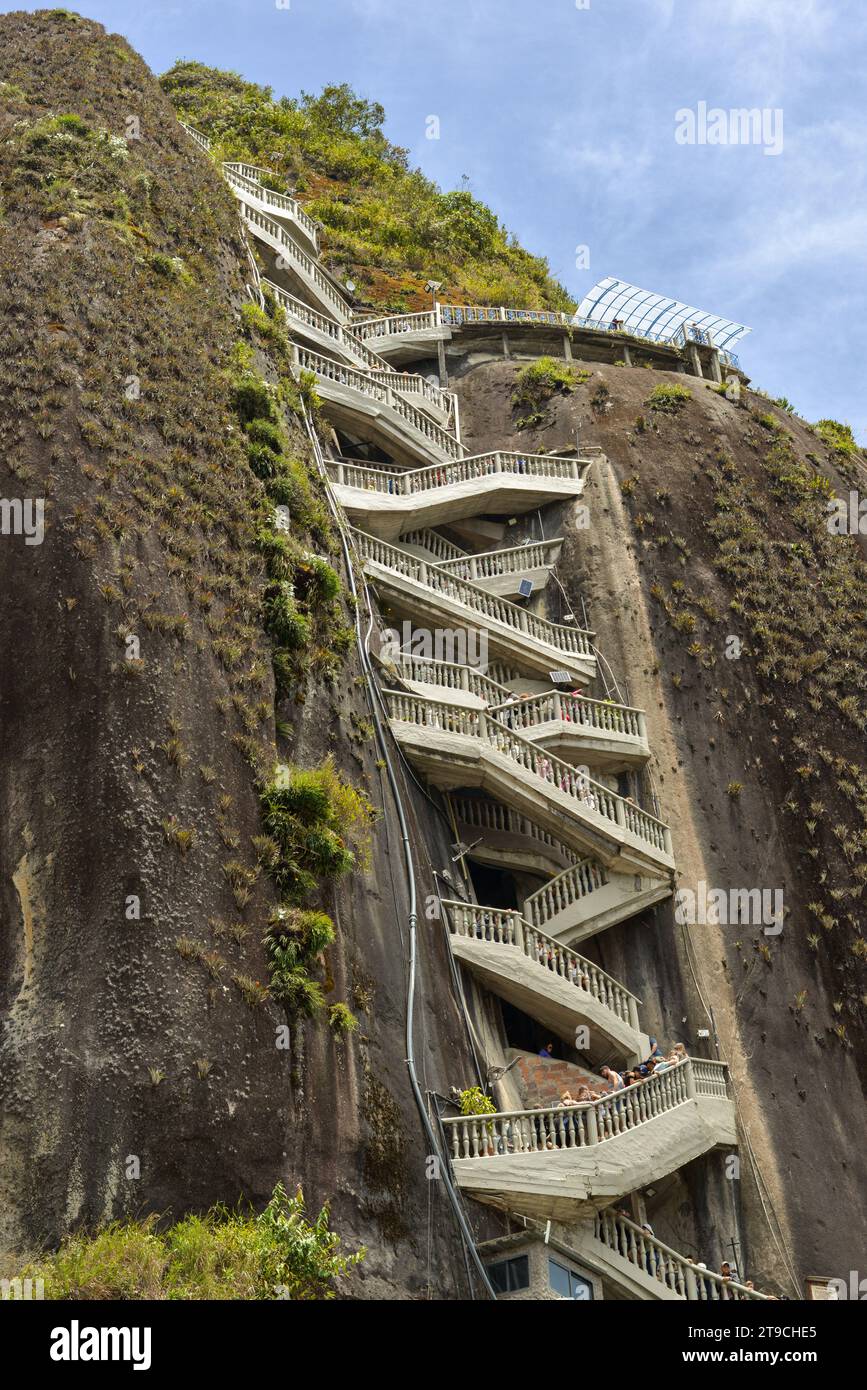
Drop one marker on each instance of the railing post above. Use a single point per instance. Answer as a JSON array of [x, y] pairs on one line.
[[592, 1126], [691, 1286], [633, 1012], [689, 1079]]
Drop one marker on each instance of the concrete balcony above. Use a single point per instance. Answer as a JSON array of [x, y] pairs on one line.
[[367, 405], [292, 260], [567, 1163], [599, 732], [403, 337], [635, 1265], [244, 179], [587, 898], [547, 980], [387, 504], [436, 600], [458, 747]]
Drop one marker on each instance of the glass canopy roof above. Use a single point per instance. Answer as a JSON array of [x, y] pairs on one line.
[[650, 315]]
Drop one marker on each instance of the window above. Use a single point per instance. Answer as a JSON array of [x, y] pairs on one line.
[[509, 1275], [567, 1283]]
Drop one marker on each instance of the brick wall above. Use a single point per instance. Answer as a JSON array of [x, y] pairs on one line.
[[542, 1082]]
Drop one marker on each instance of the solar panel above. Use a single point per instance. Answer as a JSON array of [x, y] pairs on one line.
[[615, 303]]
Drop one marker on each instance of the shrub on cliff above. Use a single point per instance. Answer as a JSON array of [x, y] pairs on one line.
[[386, 226], [279, 1254]]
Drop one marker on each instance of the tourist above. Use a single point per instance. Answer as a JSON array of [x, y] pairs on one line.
[[547, 1051]]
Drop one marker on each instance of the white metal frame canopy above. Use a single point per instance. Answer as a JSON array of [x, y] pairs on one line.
[[634, 310]]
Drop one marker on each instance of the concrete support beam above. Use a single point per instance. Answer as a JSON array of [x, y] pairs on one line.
[[441, 363]]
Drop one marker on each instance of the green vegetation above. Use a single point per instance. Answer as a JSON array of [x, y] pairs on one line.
[[319, 827], [473, 1101], [294, 942], [279, 1254], [838, 437], [538, 382], [320, 823], [341, 1020], [668, 400], [386, 226]]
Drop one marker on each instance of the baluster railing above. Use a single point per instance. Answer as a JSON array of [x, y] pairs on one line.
[[575, 641], [243, 177], [378, 387], [677, 1273]]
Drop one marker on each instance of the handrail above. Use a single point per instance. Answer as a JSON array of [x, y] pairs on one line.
[[369, 385], [574, 640], [484, 814], [339, 332], [394, 323], [556, 706], [560, 892], [589, 796], [417, 385], [460, 314], [570, 1126], [291, 251], [506, 927], [239, 174], [200, 139], [513, 559], [660, 1261], [439, 548], [467, 469], [450, 675]]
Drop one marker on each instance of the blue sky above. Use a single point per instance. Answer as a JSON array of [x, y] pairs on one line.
[[563, 117]]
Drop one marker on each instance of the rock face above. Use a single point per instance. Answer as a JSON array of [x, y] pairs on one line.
[[136, 1076], [706, 513], [140, 1069]]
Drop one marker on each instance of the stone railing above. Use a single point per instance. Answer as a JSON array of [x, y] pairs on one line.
[[201, 140], [482, 814], [289, 251], [393, 324], [413, 384], [587, 796], [678, 1274], [573, 1126], [602, 716], [437, 546], [450, 675], [342, 337], [471, 469], [456, 316], [244, 177], [711, 1077], [508, 928], [379, 388], [560, 893], [572, 640], [516, 559]]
